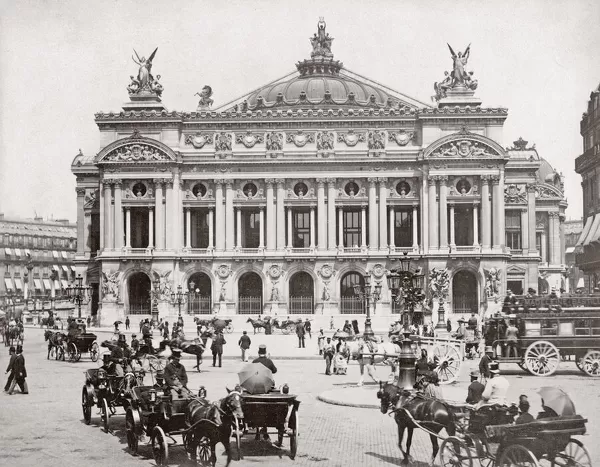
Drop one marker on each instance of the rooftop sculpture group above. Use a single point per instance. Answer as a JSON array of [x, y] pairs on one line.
[[321, 41], [459, 78], [145, 83]]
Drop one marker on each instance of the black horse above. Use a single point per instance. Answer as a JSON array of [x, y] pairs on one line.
[[410, 406], [222, 414]]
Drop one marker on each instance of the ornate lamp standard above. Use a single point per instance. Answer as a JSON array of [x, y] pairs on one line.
[[28, 293], [368, 294], [154, 297], [406, 287], [77, 292], [178, 298]]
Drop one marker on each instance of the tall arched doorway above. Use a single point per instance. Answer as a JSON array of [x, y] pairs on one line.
[[200, 298], [138, 287], [250, 297], [302, 294], [349, 302], [464, 292]]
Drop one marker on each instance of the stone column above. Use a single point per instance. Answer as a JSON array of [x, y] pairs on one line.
[[392, 226], [289, 227], [229, 219], [170, 207], [177, 212], [544, 252], [497, 198], [271, 224], [415, 228], [363, 230], [238, 230], [87, 222], [475, 225], [524, 231], [452, 227], [102, 217], [128, 227], [383, 230], [443, 211], [188, 227], [486, 228], [321, 215], [554, 238], [118, 215], [331, 214], [280, 213], [531, 220], [373, 240], [150, 227], [424, 198], [312, 226], [261, 223], [211, 228], [501, 208], [341, 229], [563, 248], [80, 220], [107, 215], [160, 213], [219, 216], [433, 214]]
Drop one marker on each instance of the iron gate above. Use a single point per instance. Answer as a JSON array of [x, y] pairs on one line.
[[200, 305], [301, 305], [250, 306], [352, 305]]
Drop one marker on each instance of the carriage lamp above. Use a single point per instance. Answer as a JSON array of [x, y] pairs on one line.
[[178, 298], [202, 392], [368, 293], [77, 292], [152, 394], [406, 287]]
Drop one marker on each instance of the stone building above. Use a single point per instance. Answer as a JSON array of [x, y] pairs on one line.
[[588, 166], [281, 201], [36, 259], [575, 277]]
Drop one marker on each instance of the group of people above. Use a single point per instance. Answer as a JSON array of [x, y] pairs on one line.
[[17, 373]]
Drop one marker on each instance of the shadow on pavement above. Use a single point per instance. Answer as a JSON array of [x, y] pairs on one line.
[[396, 460]]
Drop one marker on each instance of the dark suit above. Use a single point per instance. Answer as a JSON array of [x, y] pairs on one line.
[[10, 370], [217, 348], [300, 332], [20, 373], [266, 362], [474, 392], [175, 374]]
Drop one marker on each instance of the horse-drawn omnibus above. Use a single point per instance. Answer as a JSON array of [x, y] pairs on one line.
[[551, 330]]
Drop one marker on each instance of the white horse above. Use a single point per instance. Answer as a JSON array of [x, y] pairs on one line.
[[359, 350]]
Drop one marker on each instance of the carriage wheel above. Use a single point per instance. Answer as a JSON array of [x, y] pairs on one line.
[[590, 364], [52, 353], [203, 451], [237, 433], [60, 352], [285, 330], [94, 352], [72, 352], [542, 358], [104, 414], [294, 437], [523, 365], [86, 406], [455, 453], [517, 456], [155, 363], [448, 363], [160, 449], [574, 455], [229, 328], [132, 425]]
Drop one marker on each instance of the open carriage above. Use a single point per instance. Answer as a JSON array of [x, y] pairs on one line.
[[272, 411], [83, 343]]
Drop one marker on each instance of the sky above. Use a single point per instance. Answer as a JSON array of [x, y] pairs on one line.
[[63, 61]]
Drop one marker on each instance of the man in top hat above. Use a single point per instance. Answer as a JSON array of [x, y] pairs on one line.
[[175, 373], [495, 389], [266, 361], [525, 416], [475, 389], [135, 343], [484, 363], [120, 352], [20, 372], [300, 332]]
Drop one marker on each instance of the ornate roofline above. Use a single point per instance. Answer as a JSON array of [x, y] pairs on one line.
[[165, 153]]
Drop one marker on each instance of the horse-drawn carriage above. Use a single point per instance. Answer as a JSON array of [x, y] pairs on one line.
[[272, 410], [160, 413], [215, 324], [82, 343], [108, 392], [14, 335]]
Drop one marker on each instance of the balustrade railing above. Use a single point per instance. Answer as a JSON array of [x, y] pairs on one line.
[[301, 305], [351, 305], [463, 303], [199, 305], [250, 305], [139, 308]]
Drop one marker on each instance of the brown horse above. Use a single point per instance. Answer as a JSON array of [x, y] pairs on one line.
[[256, 324], [410, 406]]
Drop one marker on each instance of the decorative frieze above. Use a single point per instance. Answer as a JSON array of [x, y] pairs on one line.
[[515, 194], [401, 137], [249, 139], [300, 138], [199, 140], [351, 138]]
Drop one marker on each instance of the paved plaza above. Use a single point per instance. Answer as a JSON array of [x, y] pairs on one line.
[[46, 427]]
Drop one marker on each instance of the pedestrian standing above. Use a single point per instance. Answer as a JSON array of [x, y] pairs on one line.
[[89, 321], [308, 328], [448, 325], [328, 353], [244, 344], [217, 347], [141, 325], [321, 341], [10, 369], [135, 344], [20, 373], [166, 330], [127, 322], [300, 332]]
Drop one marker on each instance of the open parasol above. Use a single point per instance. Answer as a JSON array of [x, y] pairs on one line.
[[256, 378], [116, 323], [110, 345], [341, 335], [557, 400], [219, 324], [192, 347]]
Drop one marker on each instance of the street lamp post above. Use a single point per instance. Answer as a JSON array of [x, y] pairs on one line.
[[28, 296], [155, 297], [368, 294], [406, 287], [178, 298], [77, 293]]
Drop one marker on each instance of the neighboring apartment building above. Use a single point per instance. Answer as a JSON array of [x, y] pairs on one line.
[[281, 202], [575, 278], [588, 166]]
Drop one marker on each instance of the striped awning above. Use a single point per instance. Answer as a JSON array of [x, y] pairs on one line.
[[18, 284], [64, 283], [72, 269], [592, 233], [55, 254], [9, 284], [27, 252], [64, 254], [65, 268], [18, 251], [56, 284], [8, 251], [584, 233], [37, 284], [570, 250], [55, 267], [47, 284]]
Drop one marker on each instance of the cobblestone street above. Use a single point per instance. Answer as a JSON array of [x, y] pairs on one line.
[[46, 427]]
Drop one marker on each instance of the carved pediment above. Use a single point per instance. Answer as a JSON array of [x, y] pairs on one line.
[[515, 194], [513, 269], [464, 145], [547, 191], [136, 148]]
